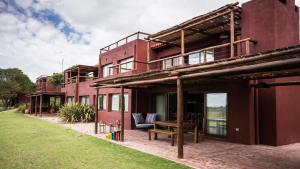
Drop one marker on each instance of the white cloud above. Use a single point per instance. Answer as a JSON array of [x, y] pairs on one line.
[[38, 48]]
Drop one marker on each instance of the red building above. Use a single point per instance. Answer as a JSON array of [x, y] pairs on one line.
[[232, 72], [218, 70], [46, 98]]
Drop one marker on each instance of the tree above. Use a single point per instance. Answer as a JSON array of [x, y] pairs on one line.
[[56, 79], [13, 84]]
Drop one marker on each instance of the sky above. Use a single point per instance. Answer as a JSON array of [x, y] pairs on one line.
[[45, 36]]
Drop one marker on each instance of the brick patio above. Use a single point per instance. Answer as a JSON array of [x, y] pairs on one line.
[[206, 154]]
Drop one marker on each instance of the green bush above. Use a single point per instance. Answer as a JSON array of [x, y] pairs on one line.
[[76, 113], [21, 108]]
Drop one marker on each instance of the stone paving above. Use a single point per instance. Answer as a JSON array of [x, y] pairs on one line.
[[210, 154]]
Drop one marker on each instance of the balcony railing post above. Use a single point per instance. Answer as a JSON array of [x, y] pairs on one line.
[[232, 34], [182, 46]]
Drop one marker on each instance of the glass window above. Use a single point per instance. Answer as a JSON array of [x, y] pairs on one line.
[[210, 56], [70, 100], [102, 102], [168, 63], [115, 102], [216, 107], [194, 58], [107, 70], [126, 65], [126, 102], [84, 100]]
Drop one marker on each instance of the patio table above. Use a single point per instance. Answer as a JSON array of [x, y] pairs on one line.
[[173, 124]]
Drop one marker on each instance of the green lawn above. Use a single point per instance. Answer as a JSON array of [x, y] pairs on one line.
[[30, 143]]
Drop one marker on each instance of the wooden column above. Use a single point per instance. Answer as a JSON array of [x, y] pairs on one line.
[[232, 34], [180, 138], [35, 106], [182, 46], [41, 104], [30, 104], [122, 113], [96, 113], [256, 113]]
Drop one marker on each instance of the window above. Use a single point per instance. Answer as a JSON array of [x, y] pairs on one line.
[[70, 100], [197, 58], [116, 102], [168, 63], [84, 100], [102, 102], [126, 102], [55, 101], [216, 107], [126, 65], [107, 70], [194, 58]]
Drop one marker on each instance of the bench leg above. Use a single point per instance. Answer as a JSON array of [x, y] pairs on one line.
[[155, 136], [149, 133], [172, 140]]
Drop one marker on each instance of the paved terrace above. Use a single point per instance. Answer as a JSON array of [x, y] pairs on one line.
[[209, 154]]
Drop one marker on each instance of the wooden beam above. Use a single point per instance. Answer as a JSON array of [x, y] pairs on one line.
[[182, 46], [35, 106], [41, 104], [256, 114], [232, 34], [180, 138], [122, 113], [96, 113]]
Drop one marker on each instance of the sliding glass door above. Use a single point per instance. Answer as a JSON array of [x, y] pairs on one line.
[[216, 114]]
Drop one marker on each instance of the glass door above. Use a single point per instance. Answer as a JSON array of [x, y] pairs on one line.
[[216, 114], [161, 107]]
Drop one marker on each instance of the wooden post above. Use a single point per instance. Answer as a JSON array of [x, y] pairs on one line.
[[96, 113], [122, 113], [232, 34], [35, 106], [30, 104], [180, 138], [256, 109], [41, 102], [182, 46]]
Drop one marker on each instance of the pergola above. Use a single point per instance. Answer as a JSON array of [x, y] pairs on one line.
[[278, 63], [37, 97], [225, 20]]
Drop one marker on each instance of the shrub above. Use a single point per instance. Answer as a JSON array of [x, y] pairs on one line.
[[21, 108], [76, 113]]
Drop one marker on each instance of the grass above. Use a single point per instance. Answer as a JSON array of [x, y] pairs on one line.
[[31, 143]]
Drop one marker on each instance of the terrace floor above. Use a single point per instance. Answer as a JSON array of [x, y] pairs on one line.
[[206, 154]]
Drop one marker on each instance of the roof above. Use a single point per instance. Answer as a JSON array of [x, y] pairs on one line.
[[200, 27], [83, 68], [46, 93], [285, 62]]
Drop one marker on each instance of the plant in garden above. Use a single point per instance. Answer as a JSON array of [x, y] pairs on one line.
[[76, 113]]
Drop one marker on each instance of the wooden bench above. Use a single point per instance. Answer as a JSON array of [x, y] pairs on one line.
[[172, 134]]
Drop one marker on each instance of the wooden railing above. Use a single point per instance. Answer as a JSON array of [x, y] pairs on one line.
[[137, 35], [242, 48], [74, 79]]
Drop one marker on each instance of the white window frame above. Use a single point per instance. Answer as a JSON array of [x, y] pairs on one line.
[[102, 102], [117, 102], [84, 100], [70, 100], [126, 65], [107, 70]]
